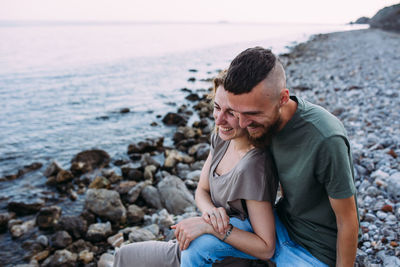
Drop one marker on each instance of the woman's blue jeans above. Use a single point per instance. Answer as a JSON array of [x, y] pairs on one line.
[[207, 249]]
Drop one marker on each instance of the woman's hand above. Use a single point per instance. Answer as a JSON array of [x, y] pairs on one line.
[[189, 229], [218, 218]]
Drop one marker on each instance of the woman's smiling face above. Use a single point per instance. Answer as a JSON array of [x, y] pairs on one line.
[[226, 122]]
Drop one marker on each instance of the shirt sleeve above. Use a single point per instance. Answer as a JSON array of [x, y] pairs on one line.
[[334, 167], [256, 181]]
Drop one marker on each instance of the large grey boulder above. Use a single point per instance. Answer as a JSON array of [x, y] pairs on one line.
[[387, 18], [175, 195], [106, 204]]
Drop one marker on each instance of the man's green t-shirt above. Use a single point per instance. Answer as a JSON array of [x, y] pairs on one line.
[[313, 159]]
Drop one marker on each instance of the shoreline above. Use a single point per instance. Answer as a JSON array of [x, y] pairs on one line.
[[332, 70]]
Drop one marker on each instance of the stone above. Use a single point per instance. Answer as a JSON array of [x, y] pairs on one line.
[[135, 214], [139, 235], [42, 240], [106, 204], [48, 217], [174, 119], [362, 20], [149, 172], [106, 260], [388, 261], [124, 187], [28, 206], [149, 145], [394, 185], [194, 175], [88, 160], [76, 226], [131, 173], [99, 231], [174, 194], [86, 256], [4, 218], [61, 239], [52, 169], [19, 230], [387, 208], [116, 240], [40, 256], [100, 182], [175, 156], [387, 19], [152, 197], [135, 191], [64, 176], [200, 151], [62, 258]]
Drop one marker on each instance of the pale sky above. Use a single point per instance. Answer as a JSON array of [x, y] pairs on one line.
[[307, 11]]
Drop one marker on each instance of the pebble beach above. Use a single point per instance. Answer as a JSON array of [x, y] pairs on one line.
[[355, 75]]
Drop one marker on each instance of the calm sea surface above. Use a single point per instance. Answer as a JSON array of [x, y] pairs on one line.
[[62, 86]]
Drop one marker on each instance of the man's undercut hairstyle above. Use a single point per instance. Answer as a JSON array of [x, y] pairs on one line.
[[248, 69]]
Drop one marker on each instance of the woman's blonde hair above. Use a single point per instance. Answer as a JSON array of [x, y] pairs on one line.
[[218, 81]]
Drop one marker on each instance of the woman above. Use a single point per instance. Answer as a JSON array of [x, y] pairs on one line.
[[235, 194]]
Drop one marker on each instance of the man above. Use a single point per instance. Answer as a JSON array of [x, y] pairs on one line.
[[313, 159]]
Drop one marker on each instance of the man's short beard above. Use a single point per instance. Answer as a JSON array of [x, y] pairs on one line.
[[265, 139]]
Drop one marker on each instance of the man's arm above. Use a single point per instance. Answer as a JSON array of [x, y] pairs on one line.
[[347, 224]]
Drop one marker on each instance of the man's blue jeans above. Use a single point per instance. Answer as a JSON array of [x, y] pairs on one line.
[[288, 253], [207, 249]]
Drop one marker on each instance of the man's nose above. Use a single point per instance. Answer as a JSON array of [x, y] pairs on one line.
[[243, 121]]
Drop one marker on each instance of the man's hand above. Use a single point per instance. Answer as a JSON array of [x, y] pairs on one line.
[[189, 229], [218, 218], [347, 223]]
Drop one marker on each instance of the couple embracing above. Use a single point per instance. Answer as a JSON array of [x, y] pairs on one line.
[[265, 137]]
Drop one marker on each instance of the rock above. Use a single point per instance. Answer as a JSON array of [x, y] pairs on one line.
[[134, 193], [135, 214], [23, 207], [124, 187], [148, 160], [106, 204], [153, 228], [149, 145], [124, 110], [42, 240], [388, 261], [193, 97], [362, 20], [99, 231], [175, 156], [4, 218], [40, 256], [76, 226], [174, 119], [106, 260], [81, 245], [131, 173], [200, 151], [194, 175], [61, 258], [192, 79], [163, 219], [48, 217], [152, 197], [149, 172], [394, 185], [387, 19], [139, 235], [116, 240], [387, 208], [100, 182], [174, 194], [61, 239], [89, 160], [86, 256], [52, 169], [19, 230]]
